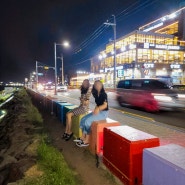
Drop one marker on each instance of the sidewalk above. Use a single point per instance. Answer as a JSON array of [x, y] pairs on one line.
[[84, 163]]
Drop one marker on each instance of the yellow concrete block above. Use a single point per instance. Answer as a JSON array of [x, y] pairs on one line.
[[77, 132]]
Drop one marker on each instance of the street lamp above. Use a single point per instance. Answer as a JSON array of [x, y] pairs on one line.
[[66, 45], [114, 28]]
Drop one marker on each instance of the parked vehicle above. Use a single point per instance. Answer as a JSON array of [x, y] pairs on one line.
[[151, 94], [61, 87]]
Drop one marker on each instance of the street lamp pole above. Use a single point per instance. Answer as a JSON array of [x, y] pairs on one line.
[[36, 70], [114, 29], [62, 70], [55, 55], [66, 45]]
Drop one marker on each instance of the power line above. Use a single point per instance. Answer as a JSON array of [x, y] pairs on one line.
[[132, 9], [136, 9], [91, 38]]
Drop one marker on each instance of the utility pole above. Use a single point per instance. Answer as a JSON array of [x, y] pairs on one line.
[[55, 55], [62, 70], [114, 29], [36, 70]]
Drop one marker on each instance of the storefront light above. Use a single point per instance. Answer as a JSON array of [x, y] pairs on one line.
[[132, 46], [112, 52], [171, 16], [175, 66], [163, 19], [123, 48], [104, 55], [100, 57]]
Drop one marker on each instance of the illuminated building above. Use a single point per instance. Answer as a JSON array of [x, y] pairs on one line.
[[157, 49]]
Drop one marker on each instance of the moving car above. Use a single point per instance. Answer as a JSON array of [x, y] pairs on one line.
[[49, 86], [151, 94], [61, 87], [180, 90]]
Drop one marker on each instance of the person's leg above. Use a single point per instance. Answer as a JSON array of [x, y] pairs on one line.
[[82, 123], [69, 116], [83, 120], [87, 127]]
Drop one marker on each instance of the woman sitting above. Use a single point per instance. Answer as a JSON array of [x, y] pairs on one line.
[[82, 109], [100, 113]]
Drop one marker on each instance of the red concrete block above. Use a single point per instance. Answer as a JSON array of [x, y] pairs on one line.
[[96, 137], [123, 150]]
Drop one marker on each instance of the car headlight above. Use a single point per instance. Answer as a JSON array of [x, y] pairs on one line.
[[181, 95], [162, 98]]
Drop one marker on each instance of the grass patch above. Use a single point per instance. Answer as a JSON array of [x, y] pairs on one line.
[[55, 170], [51, 167], [3, 97], [30, 113]]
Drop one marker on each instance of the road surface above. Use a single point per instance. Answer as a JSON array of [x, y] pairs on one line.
[[174, 119]]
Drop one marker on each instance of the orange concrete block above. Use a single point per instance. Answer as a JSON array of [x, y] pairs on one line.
[[96, 137]]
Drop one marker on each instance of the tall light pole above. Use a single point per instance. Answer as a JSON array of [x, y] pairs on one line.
[[36, 70], [55, 55], [114, 29], [66, 45], [62, 59]]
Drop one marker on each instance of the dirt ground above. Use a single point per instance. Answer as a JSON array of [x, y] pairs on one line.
[[79, 159]]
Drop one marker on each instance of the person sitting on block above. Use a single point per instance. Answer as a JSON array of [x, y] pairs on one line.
[[100, 113], [82, 109]]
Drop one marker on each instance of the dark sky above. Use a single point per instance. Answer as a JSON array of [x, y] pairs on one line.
[[28, 29]]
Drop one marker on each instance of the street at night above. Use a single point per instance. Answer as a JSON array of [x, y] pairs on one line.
[[169, 118], [92, 92]]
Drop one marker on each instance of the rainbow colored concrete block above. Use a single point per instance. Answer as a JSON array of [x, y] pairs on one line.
[[96, 137], [123, 150], [164, 165], [77, 132], [60, 107]]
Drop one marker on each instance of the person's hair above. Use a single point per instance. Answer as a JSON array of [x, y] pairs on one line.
[[94, 91], [84, 89]]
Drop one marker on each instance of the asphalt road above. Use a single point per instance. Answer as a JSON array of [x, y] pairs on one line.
[[175, 119]]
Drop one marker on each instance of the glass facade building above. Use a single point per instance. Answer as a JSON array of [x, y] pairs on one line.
[[156, 49]]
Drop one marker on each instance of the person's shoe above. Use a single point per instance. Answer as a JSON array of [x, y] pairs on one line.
[[68, 136], [82, 144], [64, 135], [77, 140]]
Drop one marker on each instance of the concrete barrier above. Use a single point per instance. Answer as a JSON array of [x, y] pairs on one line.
[[77, 132], [123, 149], [164, 165], [96, 136]]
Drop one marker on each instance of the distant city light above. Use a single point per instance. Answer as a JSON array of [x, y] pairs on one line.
[[81, 72]]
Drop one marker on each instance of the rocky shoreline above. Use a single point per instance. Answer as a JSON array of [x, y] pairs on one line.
[[17, 138]]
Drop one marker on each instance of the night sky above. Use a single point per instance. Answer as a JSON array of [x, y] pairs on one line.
[[28, 30]]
